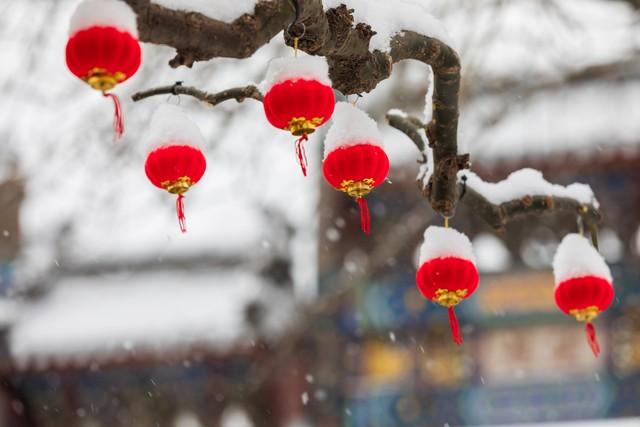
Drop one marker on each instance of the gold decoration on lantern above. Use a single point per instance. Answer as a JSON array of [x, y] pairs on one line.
[[178, 186], [100, 79], [585, 314], [299, 126], [357, 189], [447, 298]]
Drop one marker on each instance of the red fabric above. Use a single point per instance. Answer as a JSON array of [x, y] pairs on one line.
[[118, 118], [583, 292], [301, 154], [356, 162], [170, 162], [592, 338], [455, 326], [449, 273], [298, 98], [365, 216], [182, 221], [103, 47]]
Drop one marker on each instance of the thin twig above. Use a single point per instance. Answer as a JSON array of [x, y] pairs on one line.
[[237, 93]]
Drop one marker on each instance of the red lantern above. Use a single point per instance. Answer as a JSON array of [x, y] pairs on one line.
[[583, 284], [354, 160], [357, 170], [298, 98], [447, 274], [177, 164], [103, 48]]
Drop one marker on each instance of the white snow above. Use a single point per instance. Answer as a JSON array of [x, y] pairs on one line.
[[527, 182], [389, 18], [109, 315], [441, 242], [303, 67], [170, 123], [107, 13], [220, 10], [351, 126], [576, 257]]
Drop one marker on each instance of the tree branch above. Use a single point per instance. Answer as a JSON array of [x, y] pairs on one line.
[[197, 37], [237, 93], [499, 215]]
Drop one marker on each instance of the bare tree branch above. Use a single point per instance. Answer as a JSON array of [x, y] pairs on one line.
[[237, 93]]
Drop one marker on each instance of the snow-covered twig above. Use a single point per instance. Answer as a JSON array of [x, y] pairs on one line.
[[524, 192]]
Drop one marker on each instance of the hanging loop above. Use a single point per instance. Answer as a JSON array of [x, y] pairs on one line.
[[296, 29]]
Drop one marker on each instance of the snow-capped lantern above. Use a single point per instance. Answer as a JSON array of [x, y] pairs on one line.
[[103, 48], [584, 286], [298, 98], [354, 159], [175, 161], [447, 273]]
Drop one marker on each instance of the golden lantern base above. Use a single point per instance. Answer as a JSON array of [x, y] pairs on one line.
[[179, 186], [447, 298], [100, 79], [357, 189], [585, 314], [299, 126]]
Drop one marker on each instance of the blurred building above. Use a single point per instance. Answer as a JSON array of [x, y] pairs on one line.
[[522, 360]]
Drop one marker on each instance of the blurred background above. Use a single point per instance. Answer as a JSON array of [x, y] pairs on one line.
[[274, 309]]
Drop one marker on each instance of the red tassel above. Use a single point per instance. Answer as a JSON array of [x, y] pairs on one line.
[[455, 327], [592, 339], [365, 217], [180, 211], [301, 153], [118, 118]]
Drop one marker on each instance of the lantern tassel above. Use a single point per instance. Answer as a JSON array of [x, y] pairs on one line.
[[118, 118], [180, 211], [592, 339], [365, 217], [455, 326], [301, 153]]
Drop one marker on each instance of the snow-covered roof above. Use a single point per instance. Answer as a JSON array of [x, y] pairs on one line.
[[95, 318]]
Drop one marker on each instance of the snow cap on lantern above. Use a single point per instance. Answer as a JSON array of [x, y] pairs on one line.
[[311, 68], [104, 13], [583, 283], [103, 48], [445, 242], [351, 126], [169, 123], [175, 161], [298, 97], [447, 273], [354, 159]]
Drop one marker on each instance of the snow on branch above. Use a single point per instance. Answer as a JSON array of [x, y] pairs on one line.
[[524, 192], [237, 93]]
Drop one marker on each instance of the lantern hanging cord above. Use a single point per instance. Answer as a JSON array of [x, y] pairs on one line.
[[295, 29], [446, 222]]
